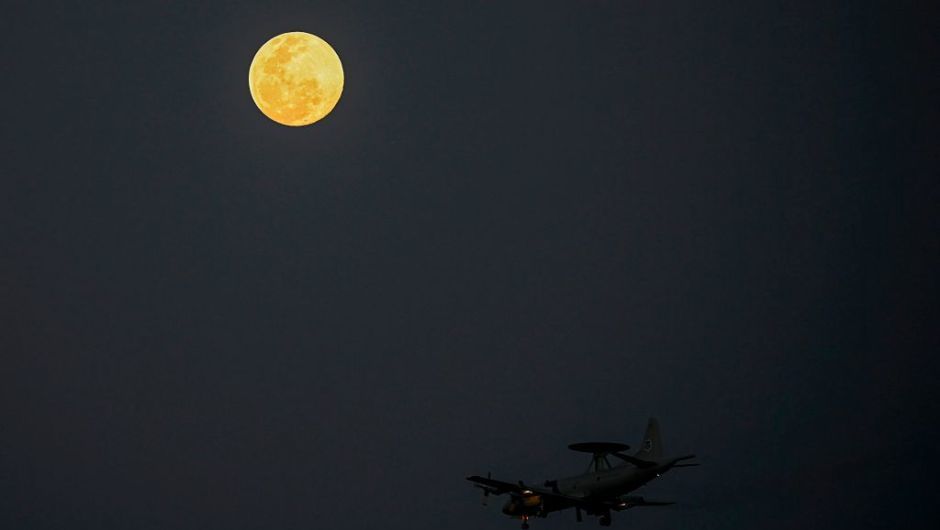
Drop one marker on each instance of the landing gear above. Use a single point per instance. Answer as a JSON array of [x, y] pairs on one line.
[[604, 520], [525, 522]]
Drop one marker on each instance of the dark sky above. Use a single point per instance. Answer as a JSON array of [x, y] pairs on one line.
[[525, 224]]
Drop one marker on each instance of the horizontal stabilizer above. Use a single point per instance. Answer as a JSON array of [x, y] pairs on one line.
[[631, 502]]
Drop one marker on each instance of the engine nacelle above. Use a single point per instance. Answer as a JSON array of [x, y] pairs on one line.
[[525, 505]]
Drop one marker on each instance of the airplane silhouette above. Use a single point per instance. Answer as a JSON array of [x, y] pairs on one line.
[[603, 488]]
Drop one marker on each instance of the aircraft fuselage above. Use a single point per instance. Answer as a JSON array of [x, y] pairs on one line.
[[607, 483], [602, 489], [612, 482]]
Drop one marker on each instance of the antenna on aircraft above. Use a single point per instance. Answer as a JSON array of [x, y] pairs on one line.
[[599, 491], [599, 452]]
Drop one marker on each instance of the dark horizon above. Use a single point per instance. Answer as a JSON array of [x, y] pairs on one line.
[[524, 225]]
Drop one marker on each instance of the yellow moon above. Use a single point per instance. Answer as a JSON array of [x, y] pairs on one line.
[[296, 78]]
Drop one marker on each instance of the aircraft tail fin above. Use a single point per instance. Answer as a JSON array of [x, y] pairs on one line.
[[652, 446]]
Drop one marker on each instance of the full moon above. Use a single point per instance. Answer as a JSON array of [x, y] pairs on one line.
[[296, 78]]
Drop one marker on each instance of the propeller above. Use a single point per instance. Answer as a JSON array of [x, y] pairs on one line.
[[525, 489], [552, 484]]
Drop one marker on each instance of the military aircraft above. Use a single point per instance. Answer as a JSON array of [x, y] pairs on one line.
[[602, 489]]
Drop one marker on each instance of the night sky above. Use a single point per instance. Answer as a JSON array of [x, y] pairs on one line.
[[525, 224]]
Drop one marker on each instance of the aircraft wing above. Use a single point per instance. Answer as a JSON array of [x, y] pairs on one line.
[[496, 487], [591, 504]]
